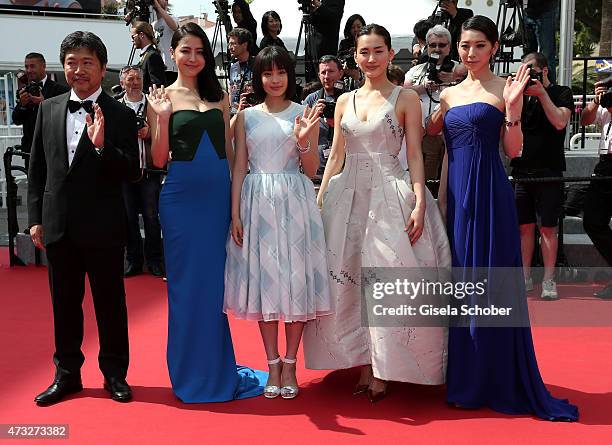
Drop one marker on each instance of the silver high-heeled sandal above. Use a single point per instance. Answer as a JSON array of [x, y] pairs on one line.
[[289, 391], [272, 391]]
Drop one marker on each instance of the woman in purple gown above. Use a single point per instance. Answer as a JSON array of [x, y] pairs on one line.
[[487, 365]]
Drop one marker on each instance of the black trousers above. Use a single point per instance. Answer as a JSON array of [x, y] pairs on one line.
[[68, 265], [598, 210], [143, 197]]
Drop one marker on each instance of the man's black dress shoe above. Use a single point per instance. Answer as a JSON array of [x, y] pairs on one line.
[[132, 270], [58, 390], [605, 293], [156, 270], [119, 390]]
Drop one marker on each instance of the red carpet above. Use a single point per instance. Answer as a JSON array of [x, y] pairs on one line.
[[576, 363]]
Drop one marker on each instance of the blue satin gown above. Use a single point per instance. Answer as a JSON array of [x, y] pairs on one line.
[[489, 366], [194, 211]]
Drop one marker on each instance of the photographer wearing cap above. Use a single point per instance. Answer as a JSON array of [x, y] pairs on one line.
[[38, 87], [428, 80], [240, 41], [330, 76], [546, 112], [141, 196], [151, 62], [597, 203]]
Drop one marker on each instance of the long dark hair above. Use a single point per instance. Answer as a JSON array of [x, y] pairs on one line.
[[378, 30], [266, 60], [349, 25], [209, 87], [483, 24], [264, 22], [248, 21]]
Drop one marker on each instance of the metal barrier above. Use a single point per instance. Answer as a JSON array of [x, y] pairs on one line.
[[11, 201]]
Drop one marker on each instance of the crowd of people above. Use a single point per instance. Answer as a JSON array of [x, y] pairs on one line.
[[263, 246]]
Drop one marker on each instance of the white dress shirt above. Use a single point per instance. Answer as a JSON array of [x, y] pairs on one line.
[[75, 124], [604, 119], [144, 50]]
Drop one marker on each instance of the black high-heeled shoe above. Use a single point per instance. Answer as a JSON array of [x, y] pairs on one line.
[[377, 396], [360, 389]]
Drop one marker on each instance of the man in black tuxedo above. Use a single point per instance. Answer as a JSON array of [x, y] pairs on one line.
[[39, 87], [84, 147], [151, 62]]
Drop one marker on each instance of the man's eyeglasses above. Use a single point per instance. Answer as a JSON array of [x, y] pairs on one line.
[[437, 45]]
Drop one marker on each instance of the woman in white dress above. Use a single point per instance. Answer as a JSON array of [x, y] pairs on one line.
[[375, 214], [276, 265]]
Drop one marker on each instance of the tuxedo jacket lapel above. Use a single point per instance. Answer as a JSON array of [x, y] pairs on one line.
[[60, 108]]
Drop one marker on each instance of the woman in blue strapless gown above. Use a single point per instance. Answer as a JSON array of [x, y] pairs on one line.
[[189, 123], [488, 366]]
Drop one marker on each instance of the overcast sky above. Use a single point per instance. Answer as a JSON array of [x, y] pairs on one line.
[[398, 16]]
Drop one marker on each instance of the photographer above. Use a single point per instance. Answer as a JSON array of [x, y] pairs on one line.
[[454, 16], [428, 80], [418, 42], [598, 202], [37, 88], [164, 28], [151, 62], [142, 195], [330, 75], [241, 71], [325, 16], [546, 113]]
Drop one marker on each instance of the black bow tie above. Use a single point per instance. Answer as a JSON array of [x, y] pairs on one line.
[[75, 105]]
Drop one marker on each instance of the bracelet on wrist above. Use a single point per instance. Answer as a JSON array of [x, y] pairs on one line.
[[512, 123], [303, 149]]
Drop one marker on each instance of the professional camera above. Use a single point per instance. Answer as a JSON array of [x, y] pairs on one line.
[[251, 99], [139, 10], [440, 17], [140, 117], [305, 6], [330, 104], [606, 99], [433, 70], [534, 75], [223, 13], [330, 109], [348, 59], [140, 121], [33, 88]]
